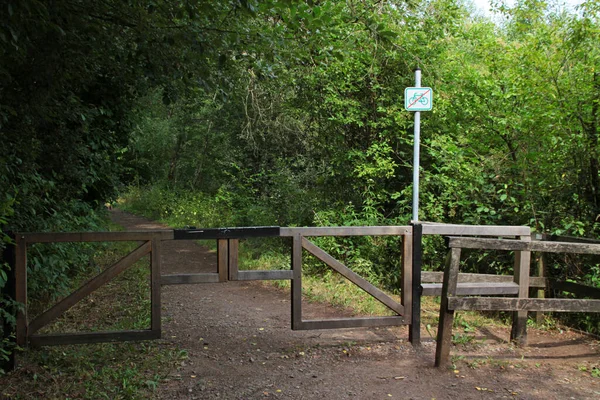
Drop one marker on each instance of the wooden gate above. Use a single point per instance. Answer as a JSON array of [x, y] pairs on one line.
[[228, 269], [227, 246], [26, 332]]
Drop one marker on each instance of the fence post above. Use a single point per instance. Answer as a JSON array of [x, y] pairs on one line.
[[521, 276], [414, 332], [8, 331], [296, 289], [223, 259], [444, 334]]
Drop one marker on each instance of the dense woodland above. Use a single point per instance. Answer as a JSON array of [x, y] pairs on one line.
[[240, 112]]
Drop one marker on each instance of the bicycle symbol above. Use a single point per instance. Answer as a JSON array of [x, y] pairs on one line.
[[423, 100]]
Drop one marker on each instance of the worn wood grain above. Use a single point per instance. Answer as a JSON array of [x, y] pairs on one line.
[[515, 304], [88, 288], [521, 245], [353, 277], [474, 230], [474, 289], [522, 264], [444, 334], [437, 277]]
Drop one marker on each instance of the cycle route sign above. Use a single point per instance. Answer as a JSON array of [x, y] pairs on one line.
[[418, 98]]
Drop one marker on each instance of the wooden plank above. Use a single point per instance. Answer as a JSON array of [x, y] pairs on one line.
[[185, 279], [444, 334], [563, 247], [341, 323], [437, 277], [21, 288], [222, 259], [473, 289], [56, 237], [296, 291], [406, 274], [226, 233], [92, 337], [576, 288], [89, 287], [155, 292], [414, 330], [488, 244], [514, 304], [540, 264], [265, 275], [234, 246], [521, 245], [348, 231], [521, 274], [474, 230], [353, 277]]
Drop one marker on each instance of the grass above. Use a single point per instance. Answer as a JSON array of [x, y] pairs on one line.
[[96, 371]]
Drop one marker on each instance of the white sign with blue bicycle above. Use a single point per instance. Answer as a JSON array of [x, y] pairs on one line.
[[418, 98]]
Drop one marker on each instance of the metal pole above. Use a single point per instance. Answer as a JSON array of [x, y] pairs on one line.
[[416, 150]]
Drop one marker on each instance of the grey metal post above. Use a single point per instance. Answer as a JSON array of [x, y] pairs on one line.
[[416, 150]]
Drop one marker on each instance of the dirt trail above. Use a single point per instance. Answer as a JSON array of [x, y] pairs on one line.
[[240, 346]]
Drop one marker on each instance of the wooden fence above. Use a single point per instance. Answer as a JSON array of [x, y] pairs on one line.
[[414, 283], [451, 301]]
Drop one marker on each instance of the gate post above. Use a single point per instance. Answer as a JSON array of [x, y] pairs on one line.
[[521, 276], [9, 290], [223, 259], [414, 333]]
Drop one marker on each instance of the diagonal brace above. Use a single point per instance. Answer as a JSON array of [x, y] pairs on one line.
[[352, 276]]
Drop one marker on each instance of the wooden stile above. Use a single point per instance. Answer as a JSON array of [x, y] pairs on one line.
[[444, 334]]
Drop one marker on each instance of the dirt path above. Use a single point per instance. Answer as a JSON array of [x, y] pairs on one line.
[[240, 346]]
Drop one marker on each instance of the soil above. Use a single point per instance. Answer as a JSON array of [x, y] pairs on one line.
[[240, 346]]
